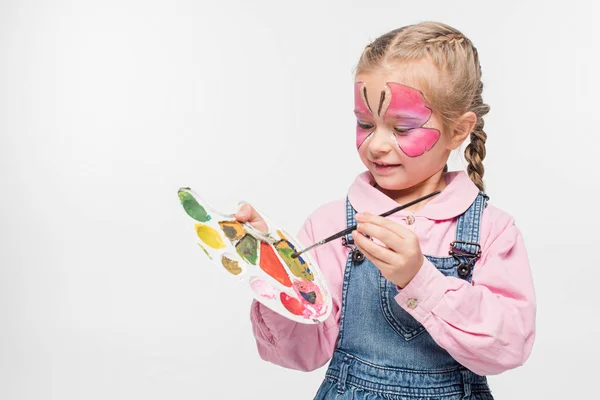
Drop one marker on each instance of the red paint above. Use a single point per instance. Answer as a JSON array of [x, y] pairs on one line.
[[272, 266], [292, 304]]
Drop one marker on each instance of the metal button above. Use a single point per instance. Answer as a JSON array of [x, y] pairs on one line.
[[357, 256], [464, 270], [410, 219], [412, 303]]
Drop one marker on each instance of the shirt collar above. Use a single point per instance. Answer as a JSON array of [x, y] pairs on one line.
[[454, 200]]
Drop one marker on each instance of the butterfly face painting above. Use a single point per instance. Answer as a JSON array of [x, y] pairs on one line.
[[406, 107], [293, 287]]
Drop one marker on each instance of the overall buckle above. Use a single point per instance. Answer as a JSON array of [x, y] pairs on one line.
[[464, 269]]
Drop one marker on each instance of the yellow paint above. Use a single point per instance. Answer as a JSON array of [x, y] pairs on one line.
[[296, 265], [209, 236], [231, 266]]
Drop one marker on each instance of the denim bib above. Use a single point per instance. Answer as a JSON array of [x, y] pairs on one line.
[[382, 352]]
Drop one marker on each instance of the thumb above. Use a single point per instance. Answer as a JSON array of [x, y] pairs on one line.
[[242, 212]]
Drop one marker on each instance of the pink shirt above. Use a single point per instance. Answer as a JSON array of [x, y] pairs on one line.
[[487, 326]]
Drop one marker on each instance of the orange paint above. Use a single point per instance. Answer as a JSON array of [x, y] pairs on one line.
[[232, 229], [272, 266]]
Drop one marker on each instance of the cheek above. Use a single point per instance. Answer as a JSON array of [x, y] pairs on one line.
[[418, 141], [361, 136], [362, 151]]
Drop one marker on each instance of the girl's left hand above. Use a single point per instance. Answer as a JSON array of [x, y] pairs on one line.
[[400, 259]]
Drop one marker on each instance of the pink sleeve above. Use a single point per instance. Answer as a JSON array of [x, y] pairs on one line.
[[489, 326], [292, 344]]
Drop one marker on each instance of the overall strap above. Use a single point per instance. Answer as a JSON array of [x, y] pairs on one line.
[[466, 249], [350, 221], [356, 257]]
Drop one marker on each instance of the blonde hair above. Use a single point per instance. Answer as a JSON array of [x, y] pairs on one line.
[[458, 67]]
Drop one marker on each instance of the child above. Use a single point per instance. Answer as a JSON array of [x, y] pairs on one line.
[[428, 301]]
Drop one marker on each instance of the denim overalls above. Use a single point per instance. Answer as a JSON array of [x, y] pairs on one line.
[[382, 352]]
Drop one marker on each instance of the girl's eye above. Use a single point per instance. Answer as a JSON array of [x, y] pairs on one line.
[[364, 125], [401, 131]]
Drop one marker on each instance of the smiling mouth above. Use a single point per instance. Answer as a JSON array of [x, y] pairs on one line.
[[384, 165]]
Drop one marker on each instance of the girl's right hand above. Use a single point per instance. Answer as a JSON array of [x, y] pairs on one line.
[[247, 213]]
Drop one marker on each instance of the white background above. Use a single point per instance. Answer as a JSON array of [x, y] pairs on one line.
[[107, 108]]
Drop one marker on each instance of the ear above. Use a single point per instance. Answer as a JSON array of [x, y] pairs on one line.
[[462, 128]]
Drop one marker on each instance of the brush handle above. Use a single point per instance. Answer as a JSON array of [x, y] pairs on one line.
[[412, 203], [352, 228]]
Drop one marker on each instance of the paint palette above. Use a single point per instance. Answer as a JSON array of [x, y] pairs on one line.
[[292, 287]]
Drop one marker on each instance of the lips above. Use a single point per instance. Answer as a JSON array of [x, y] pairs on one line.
[[381, 167], [384, 165]]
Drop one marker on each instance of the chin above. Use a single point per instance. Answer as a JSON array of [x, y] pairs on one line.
[[392, 182]]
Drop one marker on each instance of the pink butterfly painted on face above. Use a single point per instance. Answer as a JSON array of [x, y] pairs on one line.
[[404, 104]]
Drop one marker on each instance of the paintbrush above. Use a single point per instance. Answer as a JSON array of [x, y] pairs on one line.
[[348, 230]]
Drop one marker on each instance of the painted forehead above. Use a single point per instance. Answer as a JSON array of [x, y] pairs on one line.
[[395, 100]]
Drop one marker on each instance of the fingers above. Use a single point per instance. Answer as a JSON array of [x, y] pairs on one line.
[[372, 250], [384, 235], [394, 227], [243, 213], [247, 213]]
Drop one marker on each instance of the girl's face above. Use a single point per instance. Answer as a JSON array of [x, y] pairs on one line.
[[398, 136]]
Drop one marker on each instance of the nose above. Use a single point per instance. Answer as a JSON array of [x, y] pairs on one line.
[[381, 141]]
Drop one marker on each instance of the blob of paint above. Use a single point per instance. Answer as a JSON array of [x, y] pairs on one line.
[[310, 291], [297, 265], [272, 266], [232, 229], [311, 297], [291, 304], [231, 266], [205, 252], [263, 289], [209, 236], [247, 248], [192, 207]]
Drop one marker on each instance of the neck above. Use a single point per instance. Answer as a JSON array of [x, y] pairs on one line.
[[429, 185]]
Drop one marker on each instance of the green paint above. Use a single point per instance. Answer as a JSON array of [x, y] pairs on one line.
[[192, 208], [205, 252], [297, 265], [247, 248]]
